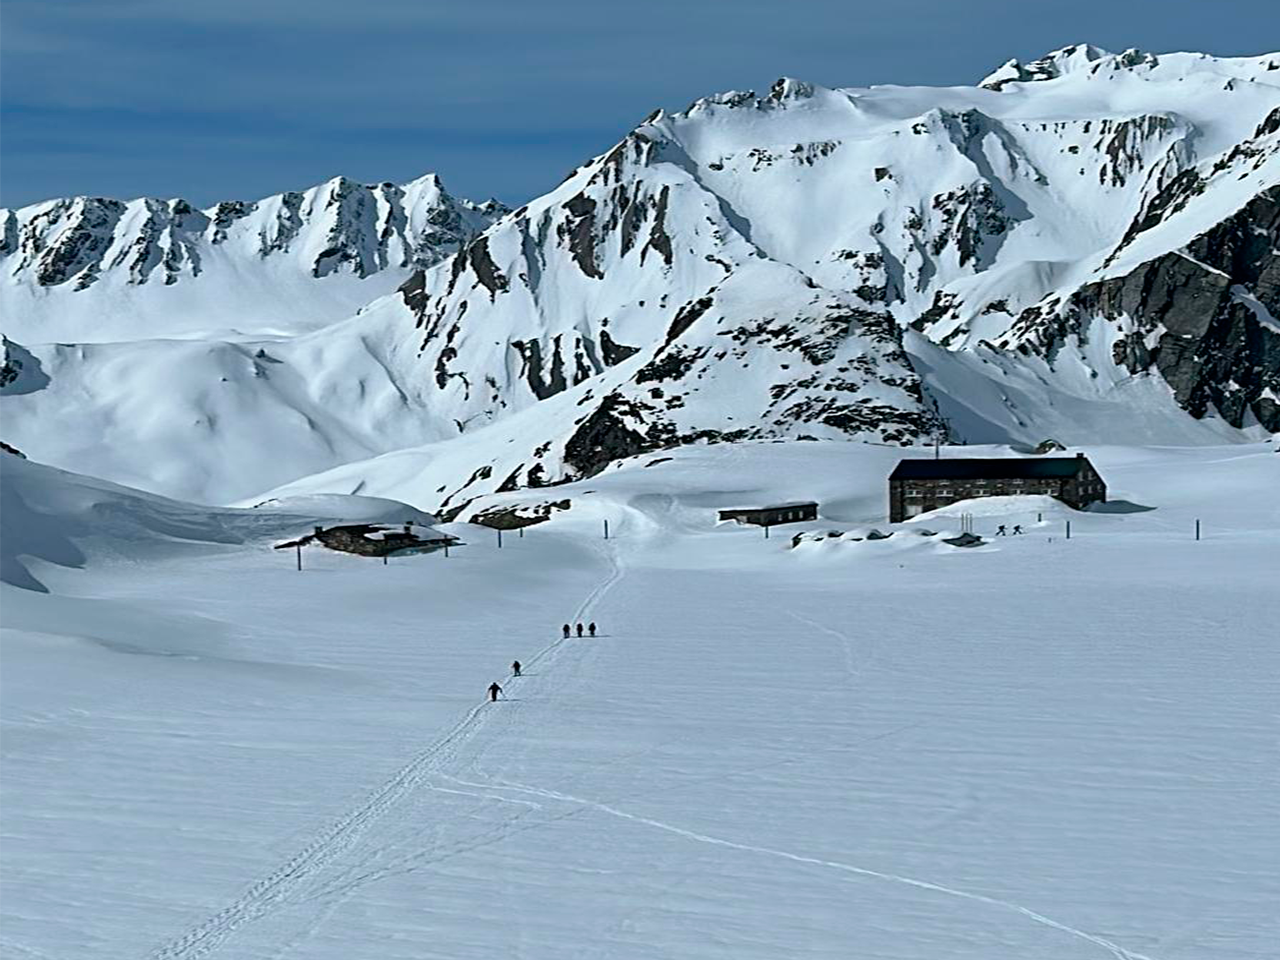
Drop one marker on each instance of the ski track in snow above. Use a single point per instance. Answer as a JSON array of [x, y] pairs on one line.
[[340, 889], [10, 948], [279, 887], [1117, 951], [846, 644]]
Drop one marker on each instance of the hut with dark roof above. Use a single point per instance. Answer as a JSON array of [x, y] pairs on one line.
[[774, 514], [918, 486]]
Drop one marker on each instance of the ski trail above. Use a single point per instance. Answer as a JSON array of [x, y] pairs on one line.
[[341, 834], [1117, 951], [846, 642], [341, 888], [268, 892], [12, 947]]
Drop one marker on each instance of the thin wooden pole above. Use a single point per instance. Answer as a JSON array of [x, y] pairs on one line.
[[299, 556], [499, 539], [1068, 529], [1197, 529], [606, 529]]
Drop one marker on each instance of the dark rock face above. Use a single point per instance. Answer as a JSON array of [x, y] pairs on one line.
[[659, 240], [531, 371], [10, 372], [485, 269], [523, 515], [672, 364], [687, 315], [79, 249], [1204, 320], [413, 292], [80, 239], [352, 227], [579, 231], [604, 437], [20, 371], [613, 352]]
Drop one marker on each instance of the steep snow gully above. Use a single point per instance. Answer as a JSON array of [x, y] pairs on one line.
[[290, 881]]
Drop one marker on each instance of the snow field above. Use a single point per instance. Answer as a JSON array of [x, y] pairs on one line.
[[1034, 749]]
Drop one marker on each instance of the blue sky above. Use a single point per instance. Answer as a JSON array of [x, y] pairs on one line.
[[218, 99]]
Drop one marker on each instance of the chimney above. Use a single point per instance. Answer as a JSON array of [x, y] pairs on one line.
[[1079, 456]]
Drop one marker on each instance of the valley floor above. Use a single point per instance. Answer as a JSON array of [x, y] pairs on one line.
[[1036, 749]]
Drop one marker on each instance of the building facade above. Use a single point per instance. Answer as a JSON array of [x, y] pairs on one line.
[[918, 486]]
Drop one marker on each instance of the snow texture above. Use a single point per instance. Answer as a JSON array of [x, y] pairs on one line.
[[1038, 747]]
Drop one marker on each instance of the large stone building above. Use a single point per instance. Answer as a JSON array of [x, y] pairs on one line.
[[918, 486]]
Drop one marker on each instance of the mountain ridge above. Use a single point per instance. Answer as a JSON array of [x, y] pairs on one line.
[[60, 256], [887, 264]]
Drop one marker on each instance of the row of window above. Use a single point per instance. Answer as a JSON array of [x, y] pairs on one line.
[[981, 488], [787, 515]]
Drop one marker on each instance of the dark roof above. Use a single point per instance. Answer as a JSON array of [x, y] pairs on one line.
[[988, 468], [773, 506]]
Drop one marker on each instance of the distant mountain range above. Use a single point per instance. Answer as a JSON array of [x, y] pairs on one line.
[[94, 268], [1083, 247]]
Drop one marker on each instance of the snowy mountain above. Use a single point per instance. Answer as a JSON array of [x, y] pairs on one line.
[[93, 268], [999, 223], [1084, 246]]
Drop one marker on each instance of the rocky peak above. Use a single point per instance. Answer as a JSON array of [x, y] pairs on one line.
[[1051, 66], [340, 226], [787, 88]]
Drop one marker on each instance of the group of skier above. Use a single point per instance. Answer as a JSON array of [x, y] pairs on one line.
[[1002, 531], [495, 689]]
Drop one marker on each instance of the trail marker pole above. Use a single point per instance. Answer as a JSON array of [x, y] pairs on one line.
[[1039, 518], [766, 531], [384, 559], [299, 556], [606, 529], [520, 532], [1197, 529], [499, 539], [446, 550], [1068, 529]]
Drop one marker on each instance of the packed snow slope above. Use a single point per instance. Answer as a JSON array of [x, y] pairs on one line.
[[1085, 246], [1037, 748], [69, 520]]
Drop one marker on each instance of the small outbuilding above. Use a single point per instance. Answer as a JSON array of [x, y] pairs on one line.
[[373, 540], [773, 515], [918, 486]]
